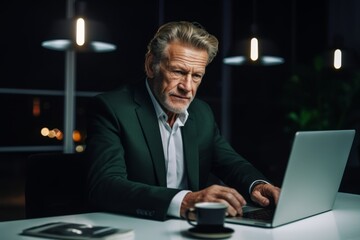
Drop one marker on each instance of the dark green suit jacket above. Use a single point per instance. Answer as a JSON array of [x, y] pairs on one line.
[[127, 173]]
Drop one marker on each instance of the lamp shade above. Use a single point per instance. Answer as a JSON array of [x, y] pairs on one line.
[[241, 53], [63, 37]]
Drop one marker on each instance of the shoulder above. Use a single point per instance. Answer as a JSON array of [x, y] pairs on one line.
[[200, 109], [124, 95], [121, 93], [116, 101], [199, 105]]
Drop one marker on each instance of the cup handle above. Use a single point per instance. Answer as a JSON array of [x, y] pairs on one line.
[[187, 213]]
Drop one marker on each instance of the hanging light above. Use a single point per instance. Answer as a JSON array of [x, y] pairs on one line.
[[254, 50], [79, 33], [72, 35], [338, 56]]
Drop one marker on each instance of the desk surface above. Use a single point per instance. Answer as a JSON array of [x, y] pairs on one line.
[[343, 222]]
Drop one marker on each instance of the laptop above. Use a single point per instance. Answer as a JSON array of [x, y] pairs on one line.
[[312, 178]]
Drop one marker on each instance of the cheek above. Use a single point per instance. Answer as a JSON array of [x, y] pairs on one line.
[[169, 86], [195, 87], [165, 84]]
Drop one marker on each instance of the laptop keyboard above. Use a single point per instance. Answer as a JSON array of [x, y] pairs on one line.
[[262, 214]]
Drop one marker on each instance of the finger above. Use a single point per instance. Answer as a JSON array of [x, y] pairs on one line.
[[229, 196], [259, 198], [271, 192], [230, 211], [276, 194], [239, 197], [234, 199]]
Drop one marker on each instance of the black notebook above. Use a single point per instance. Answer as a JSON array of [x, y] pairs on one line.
[[77, 231]]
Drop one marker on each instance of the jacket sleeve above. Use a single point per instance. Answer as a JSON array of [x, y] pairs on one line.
[[225, 163]]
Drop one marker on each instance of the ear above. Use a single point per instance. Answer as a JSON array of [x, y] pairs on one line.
[[149, 65]]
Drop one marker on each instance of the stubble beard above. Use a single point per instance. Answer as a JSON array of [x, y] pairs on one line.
[[164, 99]]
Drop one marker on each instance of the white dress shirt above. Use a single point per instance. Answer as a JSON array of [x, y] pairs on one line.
[[173, 152]]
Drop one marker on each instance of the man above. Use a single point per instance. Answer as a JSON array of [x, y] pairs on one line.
[[153, 145]]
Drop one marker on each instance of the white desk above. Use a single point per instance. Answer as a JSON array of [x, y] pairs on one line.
[[341, 223]]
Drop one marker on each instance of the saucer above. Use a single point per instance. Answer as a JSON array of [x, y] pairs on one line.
[[218, 234]]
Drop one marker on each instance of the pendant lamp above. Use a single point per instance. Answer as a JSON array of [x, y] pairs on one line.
[[338, 56], [253, 50], [78, 33], [75, 34]]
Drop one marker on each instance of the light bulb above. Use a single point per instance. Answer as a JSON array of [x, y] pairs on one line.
[[80, 31]]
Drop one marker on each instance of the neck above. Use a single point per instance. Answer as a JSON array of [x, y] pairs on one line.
[[171, 118]]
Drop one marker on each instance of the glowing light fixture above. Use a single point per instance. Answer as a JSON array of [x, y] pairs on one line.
[[253, 51], [337, 59], [75, 34], [80, 31]]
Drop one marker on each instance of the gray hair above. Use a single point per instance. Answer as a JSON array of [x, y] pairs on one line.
[[185, 32]]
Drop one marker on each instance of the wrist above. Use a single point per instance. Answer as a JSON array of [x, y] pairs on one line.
[[188, 202], [257, 185]]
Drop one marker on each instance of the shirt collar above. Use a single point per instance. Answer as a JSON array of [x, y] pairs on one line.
[[160, 112]]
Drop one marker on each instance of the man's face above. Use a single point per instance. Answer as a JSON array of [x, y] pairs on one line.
[[179, 76]]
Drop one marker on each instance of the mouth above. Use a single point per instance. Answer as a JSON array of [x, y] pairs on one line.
[[180, 97]]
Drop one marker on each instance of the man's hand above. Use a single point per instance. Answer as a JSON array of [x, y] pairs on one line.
[[215, 193], [264, 194]]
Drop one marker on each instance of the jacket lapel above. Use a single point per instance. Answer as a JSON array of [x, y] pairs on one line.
[[149, 125], [191, 156]]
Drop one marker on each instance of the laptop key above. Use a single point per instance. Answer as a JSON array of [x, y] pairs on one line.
[[262, 214]]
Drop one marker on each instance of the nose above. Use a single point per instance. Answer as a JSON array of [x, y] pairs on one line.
[[186, 83]]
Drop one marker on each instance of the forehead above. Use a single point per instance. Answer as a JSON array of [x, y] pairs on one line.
[[186, 54]]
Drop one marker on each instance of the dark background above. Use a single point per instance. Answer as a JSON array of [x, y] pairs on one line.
[[260, 98]]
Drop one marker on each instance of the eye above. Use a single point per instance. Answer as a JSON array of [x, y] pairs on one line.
[[179, 74], [197, 77]]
